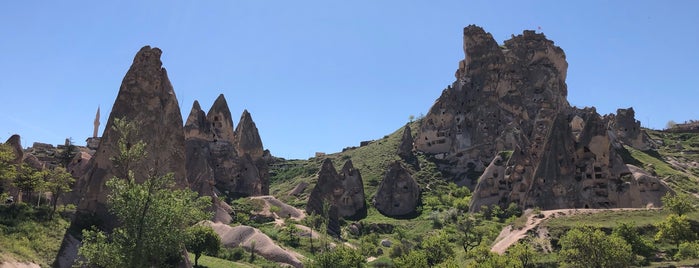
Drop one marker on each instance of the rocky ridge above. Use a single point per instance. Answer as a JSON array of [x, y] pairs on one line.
[[511, 98]]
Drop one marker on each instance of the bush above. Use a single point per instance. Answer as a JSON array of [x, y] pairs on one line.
[[232, 254], [688, 250]]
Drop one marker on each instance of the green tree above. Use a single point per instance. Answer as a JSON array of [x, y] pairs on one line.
[[153, 214], [339, 257], [437, 248], [679, 203], [202, 239], [629, 233], [68, 153], [28, 180], [414, 259], [589, 247], [470, 233], [8, 167], [522, 254], [58, 181], [676, 229]]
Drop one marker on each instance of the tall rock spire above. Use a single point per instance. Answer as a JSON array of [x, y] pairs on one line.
[[96, 123], [146, 98]]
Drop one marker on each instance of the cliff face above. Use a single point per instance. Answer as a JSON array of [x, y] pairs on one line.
[[512, 98]]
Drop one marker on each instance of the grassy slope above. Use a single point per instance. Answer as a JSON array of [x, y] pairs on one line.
[[27, 235]]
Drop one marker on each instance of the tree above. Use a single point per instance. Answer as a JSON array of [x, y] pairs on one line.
[[68, 153], [414, 259], [8, 167], [471, 234], [153, 214], [676, 229], [522, 254], [589, 247], [28, 179], [639, 245], [437, 248], [58, 181], [679, 203], [202, 239], [339, 257]]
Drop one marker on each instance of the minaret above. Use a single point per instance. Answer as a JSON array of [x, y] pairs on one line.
[[96, 123]]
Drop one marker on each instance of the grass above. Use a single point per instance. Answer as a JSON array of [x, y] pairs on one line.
[[28, 235], [213, 262], [609, 219]]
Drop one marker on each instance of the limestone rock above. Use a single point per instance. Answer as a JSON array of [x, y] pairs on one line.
[[212, 158], [253, 239], [147, 98], [405, 148], [78, 166], [344, 192], [247, 138], [398, 194], [15, 142], [628, 129], [505, 129]]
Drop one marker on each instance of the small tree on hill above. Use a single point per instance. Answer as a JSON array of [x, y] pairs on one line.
[[676, 229], [202, 239], [679, 203], [58, 181], [28, 180], [589, 247], [8, 169]]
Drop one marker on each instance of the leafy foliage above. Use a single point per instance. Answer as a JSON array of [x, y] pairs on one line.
[[679, 203], [339, 257], [589, 247], [202, 239], [153, 215], [676, 229]]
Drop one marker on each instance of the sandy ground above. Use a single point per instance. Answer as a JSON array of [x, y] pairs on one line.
[[509, 237]]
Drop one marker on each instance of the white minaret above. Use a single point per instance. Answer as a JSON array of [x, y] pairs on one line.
[[96, 123]]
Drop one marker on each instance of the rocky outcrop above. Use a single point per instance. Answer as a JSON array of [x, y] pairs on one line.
[[78, 166], [15, 142], [146, 98], [511, 98], [628, 129], [398, 194], [405, 148], [247, 138], [253, 239], [343, 192], [214, 162]]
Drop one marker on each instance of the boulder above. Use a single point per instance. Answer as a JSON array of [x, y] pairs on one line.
[[398, 194]]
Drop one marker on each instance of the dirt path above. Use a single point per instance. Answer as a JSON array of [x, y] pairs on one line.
[[509, 237]]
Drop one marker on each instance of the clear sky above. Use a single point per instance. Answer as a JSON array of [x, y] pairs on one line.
[[318, 76]]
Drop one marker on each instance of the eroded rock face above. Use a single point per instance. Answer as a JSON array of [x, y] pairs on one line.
[[405, 148], [343, 192], [628, 129], [147, 98], [512, 98], [214, 164], [398, 194]]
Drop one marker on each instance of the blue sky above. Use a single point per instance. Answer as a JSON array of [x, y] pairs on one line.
[[318, 76]]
